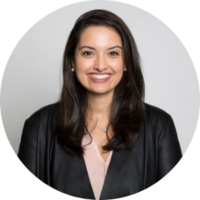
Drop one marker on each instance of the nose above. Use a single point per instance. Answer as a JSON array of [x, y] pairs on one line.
[[100, 64]]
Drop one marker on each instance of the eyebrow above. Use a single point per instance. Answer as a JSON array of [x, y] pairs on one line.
[[94, 48]]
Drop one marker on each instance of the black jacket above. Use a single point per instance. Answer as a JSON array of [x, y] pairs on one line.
[[156, 152]]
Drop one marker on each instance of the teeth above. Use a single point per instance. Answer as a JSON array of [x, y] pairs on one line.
[[100, 76]]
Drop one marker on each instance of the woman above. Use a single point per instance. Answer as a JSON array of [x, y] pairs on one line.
[[100, 141]]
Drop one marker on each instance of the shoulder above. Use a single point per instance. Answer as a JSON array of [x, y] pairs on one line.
[[156, 117], [155, 112], [43, 115]]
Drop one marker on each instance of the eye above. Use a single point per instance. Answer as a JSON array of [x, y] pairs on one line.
[[87, 53], [114, 53]]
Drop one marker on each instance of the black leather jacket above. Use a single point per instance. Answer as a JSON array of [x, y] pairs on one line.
[[156, 152]]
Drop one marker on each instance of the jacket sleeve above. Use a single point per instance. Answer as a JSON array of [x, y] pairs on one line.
[[28, 146], [169, 150]]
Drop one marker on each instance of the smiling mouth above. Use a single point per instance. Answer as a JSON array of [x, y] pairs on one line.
[[100, 78]]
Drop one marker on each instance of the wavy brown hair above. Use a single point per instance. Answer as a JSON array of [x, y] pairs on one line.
[[127, 107]]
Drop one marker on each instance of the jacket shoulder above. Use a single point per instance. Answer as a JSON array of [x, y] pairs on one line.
[[156, 117], [43, 114]]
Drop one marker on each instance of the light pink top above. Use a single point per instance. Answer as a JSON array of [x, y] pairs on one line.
[[95, 164]]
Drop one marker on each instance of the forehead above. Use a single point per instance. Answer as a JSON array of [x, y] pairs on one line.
[[100, 35]]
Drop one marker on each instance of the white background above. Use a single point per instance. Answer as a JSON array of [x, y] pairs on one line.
[[33, 75]]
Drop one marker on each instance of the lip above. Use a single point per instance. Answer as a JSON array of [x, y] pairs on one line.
[[99, 80], [100, 73]]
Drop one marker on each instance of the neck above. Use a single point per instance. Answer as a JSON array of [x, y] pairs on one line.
[[99, 105]]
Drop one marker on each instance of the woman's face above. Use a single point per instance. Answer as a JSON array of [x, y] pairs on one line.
[[99, 59]]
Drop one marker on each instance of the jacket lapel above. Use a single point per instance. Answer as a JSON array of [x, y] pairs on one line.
[[88, 186], [112, 185], [117, 182], [125, 175]]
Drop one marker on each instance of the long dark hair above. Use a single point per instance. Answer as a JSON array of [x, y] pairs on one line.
[[127, 107]]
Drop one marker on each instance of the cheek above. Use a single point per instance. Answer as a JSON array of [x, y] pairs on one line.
[[117, 66], [80, 74], [82, 65]]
